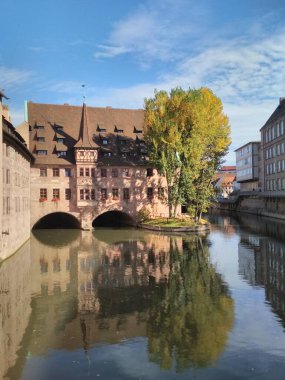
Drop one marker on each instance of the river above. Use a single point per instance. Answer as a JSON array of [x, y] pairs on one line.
[[132, 304]]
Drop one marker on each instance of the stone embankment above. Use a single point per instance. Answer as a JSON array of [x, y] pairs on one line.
[[261, 204], [192, 229]]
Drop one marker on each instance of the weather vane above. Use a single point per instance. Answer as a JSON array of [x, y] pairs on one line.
[[84, 95]]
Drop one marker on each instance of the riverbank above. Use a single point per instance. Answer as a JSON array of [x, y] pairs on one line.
[[257, 204], [175, 225]]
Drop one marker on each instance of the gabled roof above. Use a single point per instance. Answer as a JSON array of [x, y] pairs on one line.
[[84, 140], [70, 117], [279, 111]]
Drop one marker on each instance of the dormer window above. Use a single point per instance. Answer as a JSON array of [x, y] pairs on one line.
[[137, 130], [40, 139], [107, 154], [41, 152], [118, 130], [60, 140], [39, 126], [61, 154], [58, 128], [105, 141], [101, 128]]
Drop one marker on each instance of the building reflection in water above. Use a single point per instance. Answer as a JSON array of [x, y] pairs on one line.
[[79, 289], [262, 259], [15, 309]]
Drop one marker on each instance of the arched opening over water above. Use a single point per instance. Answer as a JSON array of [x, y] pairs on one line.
[[57, 220], [113, 219]]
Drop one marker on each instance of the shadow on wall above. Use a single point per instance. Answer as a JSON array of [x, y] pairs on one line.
[[57, 220], [113, 219]]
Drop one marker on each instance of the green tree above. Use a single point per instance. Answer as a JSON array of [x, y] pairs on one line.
[[187, 135]]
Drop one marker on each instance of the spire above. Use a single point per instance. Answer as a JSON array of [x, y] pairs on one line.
[[84, 140]]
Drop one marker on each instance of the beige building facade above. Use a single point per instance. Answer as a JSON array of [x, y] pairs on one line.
[[15, 187], [90, 161]]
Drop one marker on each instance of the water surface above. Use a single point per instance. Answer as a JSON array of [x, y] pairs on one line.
[[130, 304]]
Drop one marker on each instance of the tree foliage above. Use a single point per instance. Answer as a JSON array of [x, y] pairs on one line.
[[189, 323], [187, 135]]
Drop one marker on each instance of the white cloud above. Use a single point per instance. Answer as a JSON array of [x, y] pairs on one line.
[[12, 77], [247, 74], [149, 33]]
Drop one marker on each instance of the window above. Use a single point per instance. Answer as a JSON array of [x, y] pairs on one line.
[[67, 172], [43, 172], [149, 193], [149, 172], [115, 193], [126, 172], [60, 140], [7, 176], [104, 172], [81, 172], [161, 192], [103, 194], [114, 173], [93, 194], [126, 193], [40, 127], [92, 172], [87, 172], [40, 139], [43, 193], [68, 194], [42, 152], [87, 194], [55, 172], [105, 141], [81, 194], [61, 153], [55, 193]]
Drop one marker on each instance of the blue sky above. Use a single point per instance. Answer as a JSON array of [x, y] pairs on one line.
[[124, 49]]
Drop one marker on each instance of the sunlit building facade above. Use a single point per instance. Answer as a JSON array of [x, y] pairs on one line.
[[89, 161]]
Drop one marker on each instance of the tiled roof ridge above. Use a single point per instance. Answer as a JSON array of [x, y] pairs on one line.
[[93, 107]]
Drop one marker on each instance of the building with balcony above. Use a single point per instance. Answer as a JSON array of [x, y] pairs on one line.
[[247, 166], [91, 161]]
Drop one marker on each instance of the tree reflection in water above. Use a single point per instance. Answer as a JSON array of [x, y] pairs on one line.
[[190, 320]]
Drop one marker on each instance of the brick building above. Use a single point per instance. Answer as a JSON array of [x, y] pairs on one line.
[[273, 150], [89, 161]]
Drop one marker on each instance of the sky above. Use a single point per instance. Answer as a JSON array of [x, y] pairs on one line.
[[122, 50]]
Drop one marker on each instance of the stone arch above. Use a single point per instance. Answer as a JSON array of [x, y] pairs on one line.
[[56, 220], [113, 218]]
